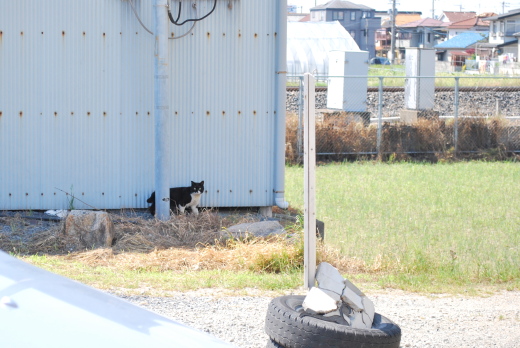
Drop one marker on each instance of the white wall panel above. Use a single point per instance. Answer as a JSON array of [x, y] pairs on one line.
[[76, 103]]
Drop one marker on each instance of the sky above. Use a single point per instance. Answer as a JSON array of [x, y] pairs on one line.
[[425, 7]]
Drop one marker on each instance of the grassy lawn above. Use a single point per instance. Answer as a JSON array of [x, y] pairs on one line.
[[446, 228], [422, 227]]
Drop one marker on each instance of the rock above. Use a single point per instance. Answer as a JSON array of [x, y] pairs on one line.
[[321, 301], [86, 229], [256, 229], [329, 278], [335, 292]]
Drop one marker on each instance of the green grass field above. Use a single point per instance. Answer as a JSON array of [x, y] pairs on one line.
[[422, 226]]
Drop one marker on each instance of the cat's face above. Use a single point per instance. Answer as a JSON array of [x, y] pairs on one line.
[[197, 187]]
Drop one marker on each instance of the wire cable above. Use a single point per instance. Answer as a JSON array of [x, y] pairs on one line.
[[137, 16], [176, 22], [183, 35]]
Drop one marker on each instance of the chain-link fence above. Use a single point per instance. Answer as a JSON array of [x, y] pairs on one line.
[[409, 115]]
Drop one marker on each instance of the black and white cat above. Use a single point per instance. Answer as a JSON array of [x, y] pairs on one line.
[[182, 198]]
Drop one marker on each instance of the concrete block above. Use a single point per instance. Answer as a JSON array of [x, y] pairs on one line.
[[256, 229], [321, 301], [369, 308], [409, 116], [356, 320], [329, 278], [351, 298]]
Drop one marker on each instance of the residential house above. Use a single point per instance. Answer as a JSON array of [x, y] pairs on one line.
[[453, 16], [459, 49], [423, 33], [359, 20], [503, 34], [473, 24], [384, 34]]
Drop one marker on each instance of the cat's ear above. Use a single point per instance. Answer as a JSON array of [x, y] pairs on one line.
[[202, 182], [192, 183]]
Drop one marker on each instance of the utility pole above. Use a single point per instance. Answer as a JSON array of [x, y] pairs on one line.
[[504, 5], [161, 111], [392, 38], [433, 9]]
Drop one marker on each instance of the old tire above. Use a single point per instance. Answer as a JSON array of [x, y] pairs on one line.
[[273, 344], [289, 326]]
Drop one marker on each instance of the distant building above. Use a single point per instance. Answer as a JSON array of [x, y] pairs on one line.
[[460, 48], [476, 23], [359, 20], [423, 33], [383, 40], [504, 32], [453, 16], [309, 44]]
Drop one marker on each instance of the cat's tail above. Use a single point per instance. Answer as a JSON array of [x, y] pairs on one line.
[[152, 198]]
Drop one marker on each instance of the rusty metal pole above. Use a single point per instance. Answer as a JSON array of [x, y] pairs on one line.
[[161, 111]]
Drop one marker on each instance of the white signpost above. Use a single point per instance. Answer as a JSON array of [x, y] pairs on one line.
[[309, 191]]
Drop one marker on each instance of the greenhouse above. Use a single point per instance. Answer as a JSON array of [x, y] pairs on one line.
[[309, 44]]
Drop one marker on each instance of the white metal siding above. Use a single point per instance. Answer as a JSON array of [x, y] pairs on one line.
[[76, 103]]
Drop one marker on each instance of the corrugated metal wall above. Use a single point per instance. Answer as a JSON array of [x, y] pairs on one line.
[[76, 103]]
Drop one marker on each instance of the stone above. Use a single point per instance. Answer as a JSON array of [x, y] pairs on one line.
[[256, 229], [85, 229], [329, 278], [356, 320], [321, 301], [351, 298], [369, 308]]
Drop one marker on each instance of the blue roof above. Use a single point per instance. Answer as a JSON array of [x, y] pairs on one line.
[[463, 40]]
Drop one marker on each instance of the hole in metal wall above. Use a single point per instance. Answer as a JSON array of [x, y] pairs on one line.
[[21, 113]]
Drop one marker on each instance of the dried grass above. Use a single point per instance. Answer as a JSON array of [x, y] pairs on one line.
[[341, 136]]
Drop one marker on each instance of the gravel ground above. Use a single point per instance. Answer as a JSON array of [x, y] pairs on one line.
[[470, 103], [425, 321]]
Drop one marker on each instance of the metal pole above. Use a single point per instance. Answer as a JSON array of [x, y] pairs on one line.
[[380, 117], [456, 117], [281, 98], [309, 165], [392, 39], [299, 133], [161, 111]]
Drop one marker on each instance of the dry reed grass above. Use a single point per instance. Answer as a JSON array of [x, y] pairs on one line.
[[339, 135]]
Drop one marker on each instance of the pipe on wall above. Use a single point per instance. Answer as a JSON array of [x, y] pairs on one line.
[[280, 101]]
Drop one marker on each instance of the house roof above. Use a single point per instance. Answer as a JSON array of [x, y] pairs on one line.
[[476, 21], [401, 19], [462, 40], [425, 22], [338, 5], [511, 13], [453, 16]]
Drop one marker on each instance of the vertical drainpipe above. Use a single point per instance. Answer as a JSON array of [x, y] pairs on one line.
[[280, 101], [161, 111]]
